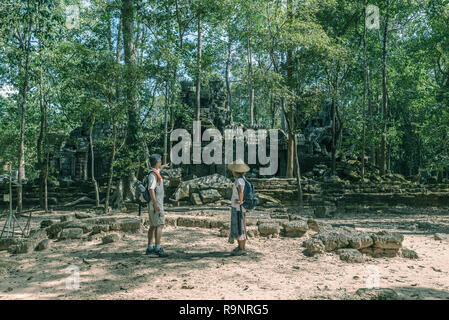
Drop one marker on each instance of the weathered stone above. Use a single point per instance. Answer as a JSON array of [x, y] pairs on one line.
[[223, 232], [324, 211], [55, 229], [44, 244], [387, 240], [27, 245], [67, 217], [409, 254], [359, 239], [209, 195], [313, 245], [171, 221], [6, 243], [182, 192], [377, 294], [440, 236], [99, 228], [82, 215], [350, 255], [105, 220], [266, 229], [317, 226], [46, 223], [214, 223], [130, 225], [252, 231], [193, 222], [113, 237], [216, 181], [296, 228], [380, 252], [71, 233], [86, 227], [334, 238], [195, 199]]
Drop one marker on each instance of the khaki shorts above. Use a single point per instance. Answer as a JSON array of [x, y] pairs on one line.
[[156, 219]]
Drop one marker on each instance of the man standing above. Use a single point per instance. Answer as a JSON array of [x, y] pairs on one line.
[[156, 206]]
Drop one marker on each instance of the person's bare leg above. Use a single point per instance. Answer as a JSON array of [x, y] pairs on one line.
[[151, 235], [242, 244], [158, 234]]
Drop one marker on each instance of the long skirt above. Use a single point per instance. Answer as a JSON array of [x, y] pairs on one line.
[[238, 226]]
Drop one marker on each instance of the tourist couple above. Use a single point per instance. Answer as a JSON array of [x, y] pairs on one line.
[[157, 215]]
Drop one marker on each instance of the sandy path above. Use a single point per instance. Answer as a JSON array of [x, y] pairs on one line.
[[200, 267]]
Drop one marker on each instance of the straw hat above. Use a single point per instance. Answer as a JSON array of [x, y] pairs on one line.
[[238, 166]]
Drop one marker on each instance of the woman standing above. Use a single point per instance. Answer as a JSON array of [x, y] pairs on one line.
[[238, 223]]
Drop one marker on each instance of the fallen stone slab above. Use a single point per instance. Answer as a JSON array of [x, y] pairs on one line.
[[195, 199], [103, 220], [67, 217], [54, 230], [350, 255], [334, 238], [5, 243], [171, 221], [313, 245], [110, 238], [43, 245], [359, 239], [440, 236], [380, 252], [99, 228], [387, 240], [317, 226], [46, 223], [27, 245], [252, 231], [267, 229], [209, 195], [409, 254], [130, 225], [296, 228], [193, 222], [82, 215], [71, 233]]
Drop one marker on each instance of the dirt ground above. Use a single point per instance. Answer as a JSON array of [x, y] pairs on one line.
[[200, 266]]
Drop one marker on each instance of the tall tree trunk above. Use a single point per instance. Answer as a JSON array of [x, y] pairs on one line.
[[365, 85], [198, 76], [383, 146], [334, 130], [298, 174], [114, 121], [40, 162], [290, 104], [250, 79], [92, 163], [131, 93], [111, 167], [228, 73], [22, 109]]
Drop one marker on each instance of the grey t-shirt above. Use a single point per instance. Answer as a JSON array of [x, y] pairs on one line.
[[158, 189]]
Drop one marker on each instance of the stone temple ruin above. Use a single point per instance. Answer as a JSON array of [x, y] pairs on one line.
[[201, 184]]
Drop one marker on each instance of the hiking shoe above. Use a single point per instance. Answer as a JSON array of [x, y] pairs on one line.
[[148, 251], [161, 253], [235, 249], [239, 252]]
